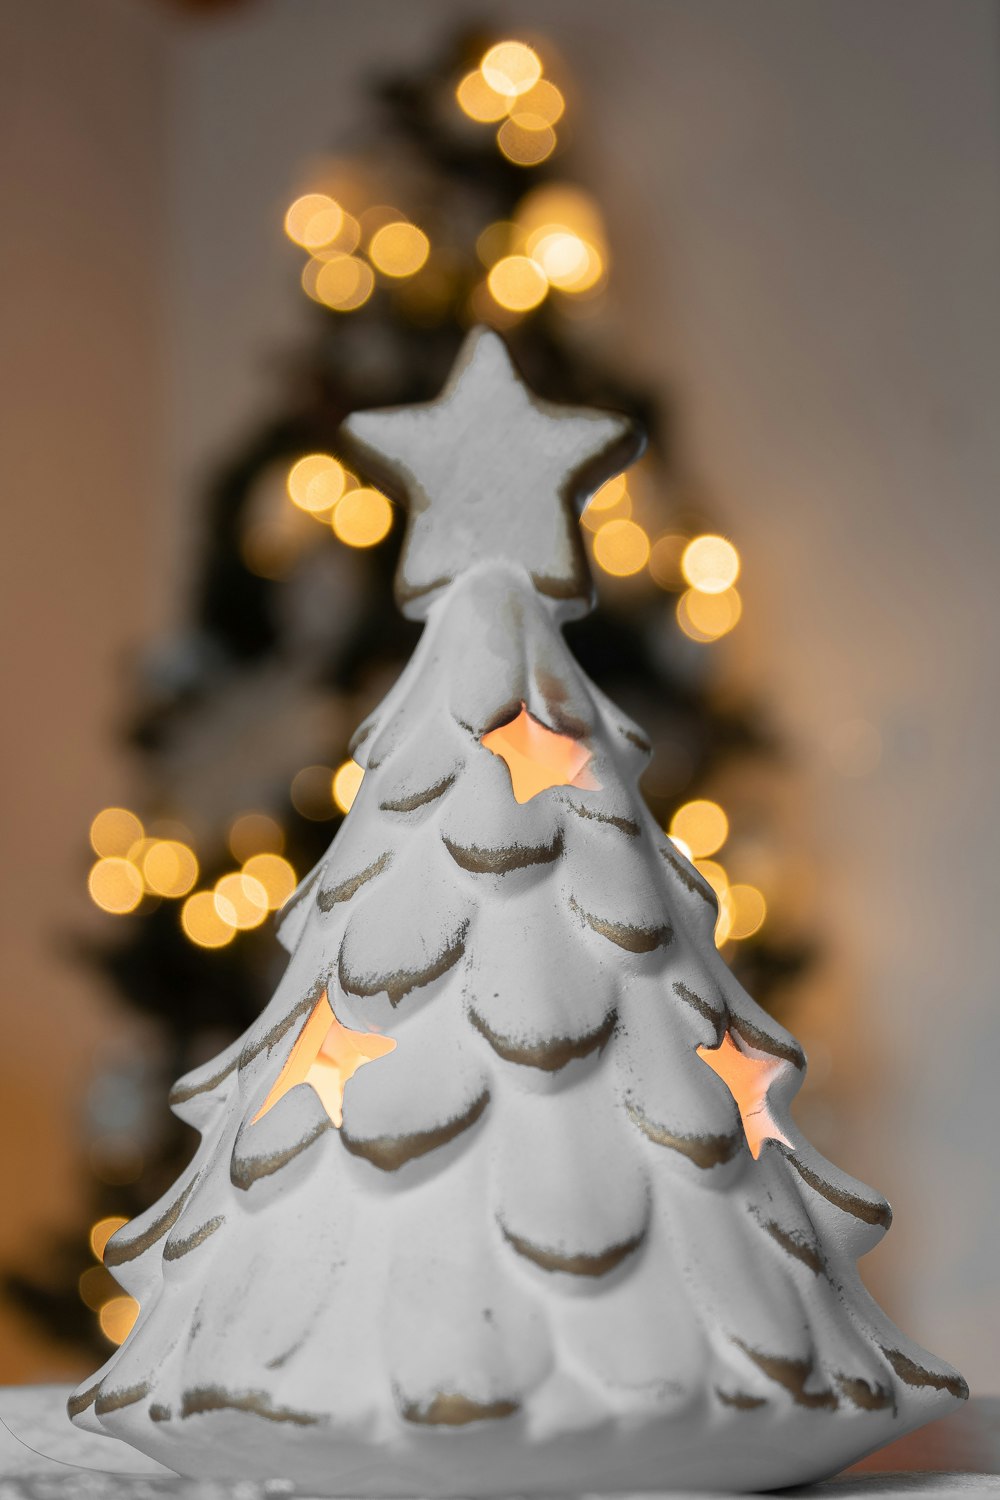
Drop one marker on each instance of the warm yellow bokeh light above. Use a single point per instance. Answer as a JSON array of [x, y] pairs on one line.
[[560, 206], [346, 784], [202, 923], [710, 564], [747, 910], [314, 220], [609, 494], [593, 521], [665, 560], [310, 793], [715, 875], [706, 617], [399, 249], [170, 868], [92, 1286], [114, 831], [562, 255], [680, 845], [102, 1231], [621, 548], [511, 68], [702, 825], [241, 901], [526, 140], [316, 482], [517, 283], [495, 240], [543, 100], [344, 283], [255, 833], [362, 518], [115, 885], [117, 1318], [479, 101], [275, 874]]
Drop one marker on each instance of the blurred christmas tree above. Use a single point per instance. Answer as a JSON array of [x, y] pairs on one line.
[[459, 212]]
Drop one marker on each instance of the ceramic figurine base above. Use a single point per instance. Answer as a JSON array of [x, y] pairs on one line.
[[502, 1194]]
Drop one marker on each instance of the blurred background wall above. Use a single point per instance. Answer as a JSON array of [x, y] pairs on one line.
[[805, 216]]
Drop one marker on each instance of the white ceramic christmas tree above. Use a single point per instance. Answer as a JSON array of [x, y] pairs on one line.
[[502, 1193]]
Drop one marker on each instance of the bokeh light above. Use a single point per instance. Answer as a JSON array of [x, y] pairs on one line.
[[114, 831], [526, 140], [347, 781], [517, 283], [710, 564], [202, 923], [274, 874], [169, 868], [314, 220], [316, 482], [241, 901], [511, 68], [702, 825], [344, 282], [255, 833], [117, 1318], [311, 793], [102, 1231], [362, 518], [621, 548], [707, 617], [93, 1286], [747, 910], [665, 560], [399, 249], [543, 100], [562, 255], [115, 885], [477, 99], [495, 240]]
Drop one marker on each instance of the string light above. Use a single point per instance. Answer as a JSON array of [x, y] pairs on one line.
[[621, 548], [314, 220], [517, 283], [665, 560], [117, 1318], [241, 901], [316, 482], [311, 793], [707, 617], [202, 922], [477, 99], [710, 564], [511, 68], [102, 1231], [543, 100], [362, 518], [114, 831], [169, 868], [526, 140], [347, 781], [344, 283], [399, 249], [748, 910], [115, 885], [255, 833], [274, 874], [702, 825]]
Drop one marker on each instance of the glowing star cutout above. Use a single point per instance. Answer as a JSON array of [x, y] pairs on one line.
[[327, 1055], [748, 1076], [538, 758]]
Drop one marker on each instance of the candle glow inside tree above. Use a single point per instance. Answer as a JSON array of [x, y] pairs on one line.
[[502, 1194]]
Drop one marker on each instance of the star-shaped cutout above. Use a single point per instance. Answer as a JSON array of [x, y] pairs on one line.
[[326, 1055], [537, 757], [490, 472], [748, 1075]]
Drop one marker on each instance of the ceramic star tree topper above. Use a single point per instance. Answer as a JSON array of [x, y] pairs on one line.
[[502, 1193]]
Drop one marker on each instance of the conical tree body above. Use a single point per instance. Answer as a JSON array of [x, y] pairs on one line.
[[567, 1235]]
